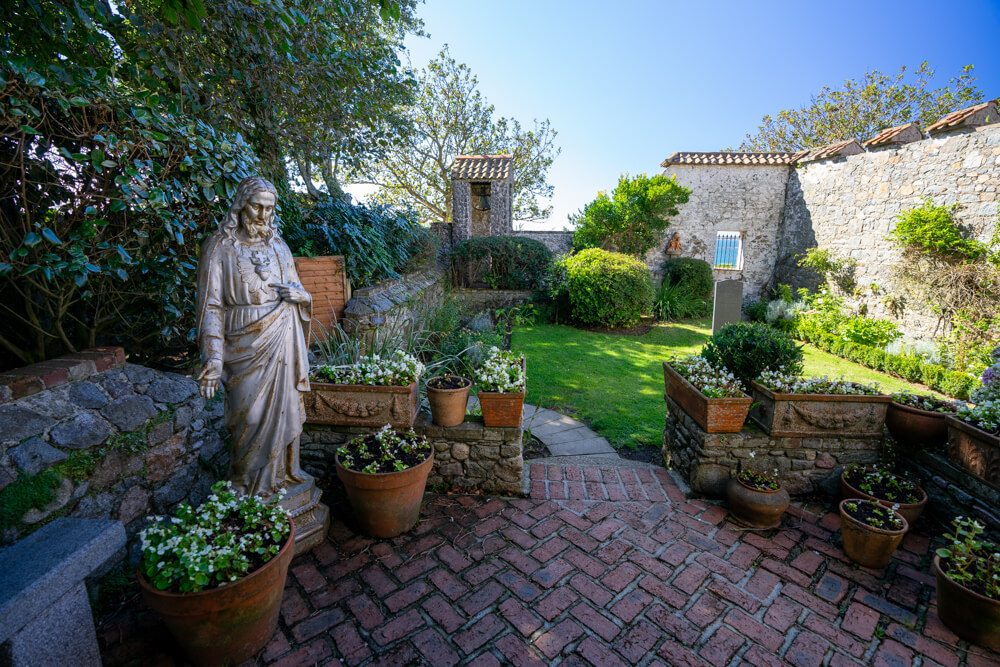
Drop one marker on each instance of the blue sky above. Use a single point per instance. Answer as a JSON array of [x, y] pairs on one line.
[[627, 83]]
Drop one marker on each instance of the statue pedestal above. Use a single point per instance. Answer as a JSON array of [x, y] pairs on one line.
[[311, 517]]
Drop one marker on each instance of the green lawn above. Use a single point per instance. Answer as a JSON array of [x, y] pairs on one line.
[[614, 383]]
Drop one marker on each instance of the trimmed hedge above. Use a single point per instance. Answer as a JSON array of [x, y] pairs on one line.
[[502, 262], [908, 367], [608, 288]]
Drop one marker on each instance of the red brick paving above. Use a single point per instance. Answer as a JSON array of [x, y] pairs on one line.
[[568, 576]]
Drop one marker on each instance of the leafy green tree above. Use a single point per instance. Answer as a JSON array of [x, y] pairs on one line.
[[861, 109], [633, 219], [450, 118]]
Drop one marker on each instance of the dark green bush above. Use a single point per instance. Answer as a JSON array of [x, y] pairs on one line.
[[694, 274], [674, 302], [756, 311], [608, 288], [747, 349], [377, 241], [502, 262]]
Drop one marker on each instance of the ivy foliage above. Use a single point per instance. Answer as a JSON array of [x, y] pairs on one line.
[[607, 289], [633, 218], [931, 230], [502, 262]]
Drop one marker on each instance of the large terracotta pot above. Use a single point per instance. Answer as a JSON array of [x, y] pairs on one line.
[[229, 624], [715, 415], [971, 616], [361, 405], [974, 450], [448, 405], [910, 511], [501, 410], [386, 504], [818, 415], [754, 507], [866, 545], [916, 429]]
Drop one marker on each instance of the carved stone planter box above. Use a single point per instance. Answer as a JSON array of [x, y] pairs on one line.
[[715, 415], [818, 415], [974, 450], [361, 405]]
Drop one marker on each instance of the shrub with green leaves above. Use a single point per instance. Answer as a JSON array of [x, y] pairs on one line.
[[675, 302], [608, 288], [502, 262], [932, 230], [747, 349], [692, 274]]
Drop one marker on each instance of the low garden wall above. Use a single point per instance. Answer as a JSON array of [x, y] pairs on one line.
[[481, 300], [952, 491], [392, 301], [111, 440], [468, 456], [804, 465]]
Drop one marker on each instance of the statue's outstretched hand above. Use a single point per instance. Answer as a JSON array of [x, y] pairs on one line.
[[292, 292], [209, 378]]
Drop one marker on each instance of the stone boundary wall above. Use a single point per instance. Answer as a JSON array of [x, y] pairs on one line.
[[124, 441], [482, 300], [952, 491], [558, 242], [804, 465], [467, 456], [391, 302]]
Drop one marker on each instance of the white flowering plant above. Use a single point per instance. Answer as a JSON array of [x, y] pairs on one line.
[[397, 370], [969, 561], [925, 402], [384, 451], [502, 372], [712, 381], [784, 383], [222, 541]]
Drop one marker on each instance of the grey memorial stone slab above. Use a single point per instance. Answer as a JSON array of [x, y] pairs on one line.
[[728, 303]]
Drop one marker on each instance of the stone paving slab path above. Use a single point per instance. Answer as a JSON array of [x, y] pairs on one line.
[[563, 435], [600, 565]]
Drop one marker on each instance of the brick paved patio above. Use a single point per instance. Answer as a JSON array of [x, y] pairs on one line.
[[598, 566]]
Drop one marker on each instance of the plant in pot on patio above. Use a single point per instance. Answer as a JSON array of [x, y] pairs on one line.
[[385, 474], [448, 396], [880, 485], [967, 574], [373, 391], [974, 432], [756, 499], [502, 381], [709, 394], [216, 574], [786, 405], [871, 531], [917, 421]]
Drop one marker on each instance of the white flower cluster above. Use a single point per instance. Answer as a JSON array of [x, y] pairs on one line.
[[214, 544], [502, 372], [398, 370], [712, 381], [784, 383], [389, 452], [924, 402]]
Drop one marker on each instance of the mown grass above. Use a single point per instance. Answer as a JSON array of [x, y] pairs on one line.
[[614, 383]]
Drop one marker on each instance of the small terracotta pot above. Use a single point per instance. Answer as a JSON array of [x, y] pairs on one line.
[[910, 511], [756, 508], [229, 624], [386, 504], [916, 429], [448, 405], [866, 545], [971, 616], [501, 410]]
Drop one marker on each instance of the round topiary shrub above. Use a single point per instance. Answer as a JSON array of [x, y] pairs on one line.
[[608, 288], [692, 274], [747, 349]]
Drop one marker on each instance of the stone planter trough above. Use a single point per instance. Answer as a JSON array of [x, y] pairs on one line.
[[361, 405], [818, 415], [974, 450]]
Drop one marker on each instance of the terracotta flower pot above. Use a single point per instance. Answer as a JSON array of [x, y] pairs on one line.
[[910, 511], [715, 415], [866, 545], [971, 616], [448, 405], [386, 504], [229, 624], [501, 409], [754, 507], [916, 429]]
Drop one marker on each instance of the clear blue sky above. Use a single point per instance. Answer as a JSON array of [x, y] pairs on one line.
[[627, 83]]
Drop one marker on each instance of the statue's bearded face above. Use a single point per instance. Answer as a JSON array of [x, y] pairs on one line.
[[257, 215]]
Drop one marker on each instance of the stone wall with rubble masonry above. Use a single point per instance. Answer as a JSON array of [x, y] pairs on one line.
[[468, 456], [392, 302], [147, 438], [804, 465]]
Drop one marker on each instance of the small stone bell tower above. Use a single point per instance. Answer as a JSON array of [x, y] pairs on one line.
[[481, 196]]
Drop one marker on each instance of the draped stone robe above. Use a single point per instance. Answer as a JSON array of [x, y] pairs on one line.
[[261, 341]]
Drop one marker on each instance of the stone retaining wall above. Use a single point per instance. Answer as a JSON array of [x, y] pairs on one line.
[[558, 242], [952, 491], [481, 300], [391, 302], [467, 456], [804, 465], [123, 441]]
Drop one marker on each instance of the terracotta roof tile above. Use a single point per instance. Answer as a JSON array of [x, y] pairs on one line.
[[840, 148], [730, 158], [481, 167], [967, 117], [891, 135]]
